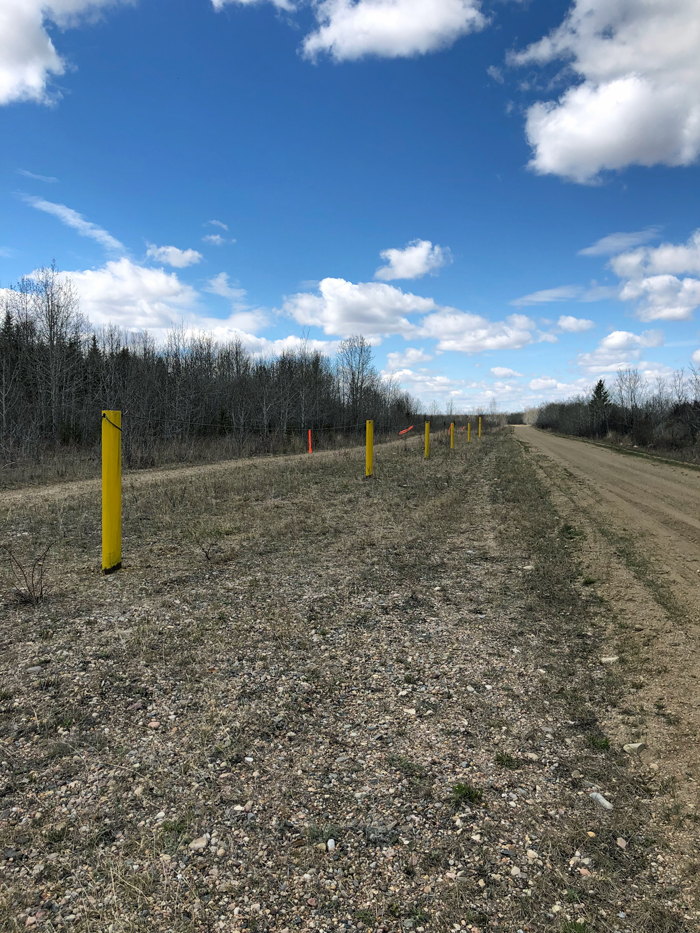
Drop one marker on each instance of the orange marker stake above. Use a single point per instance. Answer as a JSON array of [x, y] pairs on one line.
[[310, 451]]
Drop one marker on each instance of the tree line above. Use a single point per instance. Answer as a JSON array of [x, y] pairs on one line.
[[57, 373], [664, 414]]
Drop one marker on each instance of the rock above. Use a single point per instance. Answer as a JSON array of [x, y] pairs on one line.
[[515, 871], [529, 567], [609, 660], [197, 845], [601, 801], [621, 842], [634, 748], [33, 670], [331, 845], [531, 854], [154, 724]]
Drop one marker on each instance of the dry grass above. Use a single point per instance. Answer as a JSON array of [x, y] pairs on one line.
[[325, 658]]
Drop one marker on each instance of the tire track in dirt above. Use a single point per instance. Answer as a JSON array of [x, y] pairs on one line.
[[655, 507]]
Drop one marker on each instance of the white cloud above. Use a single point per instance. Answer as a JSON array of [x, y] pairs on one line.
[[47, 178], [415, 260], [172, 256], [214, 238], [141, 298], [567, 293], [696, 357], [133, 296], [75, 220], [493, 72], [619, 350], [219, 285], [562, 293], [634, 95], [651, 277], [244, 317], [410, 357], [574, 325], [28, 58], [618, 242], [280, 4], [346, 308], [351, 29], [471, 333], [217, 223], [502, 372]]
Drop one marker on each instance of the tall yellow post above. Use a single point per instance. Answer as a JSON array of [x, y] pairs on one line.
[[369, 452], [111, 491], [469, 431], [427, 440], [452, 436], [479, 425]]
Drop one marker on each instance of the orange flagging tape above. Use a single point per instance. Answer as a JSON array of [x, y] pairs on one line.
[[406, 430]]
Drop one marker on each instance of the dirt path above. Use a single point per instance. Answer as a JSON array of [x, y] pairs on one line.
[[138, 479], [645, 557]]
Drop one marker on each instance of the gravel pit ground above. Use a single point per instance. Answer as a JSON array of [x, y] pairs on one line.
[[313, 702]]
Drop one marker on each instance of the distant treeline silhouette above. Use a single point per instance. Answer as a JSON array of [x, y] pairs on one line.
[[665, 414], [57, 373]]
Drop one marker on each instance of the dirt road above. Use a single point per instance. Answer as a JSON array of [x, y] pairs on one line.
[[642, 548], [656, 501]]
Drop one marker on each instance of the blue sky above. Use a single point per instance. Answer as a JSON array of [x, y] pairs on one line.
[[502, 196]]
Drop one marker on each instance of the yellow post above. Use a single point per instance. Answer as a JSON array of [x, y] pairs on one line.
[[427, 440], [369, 452], [452, 436], [469, 431], [111, 491], [479, 425]]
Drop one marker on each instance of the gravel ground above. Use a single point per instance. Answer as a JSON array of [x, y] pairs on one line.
[[311, 702]]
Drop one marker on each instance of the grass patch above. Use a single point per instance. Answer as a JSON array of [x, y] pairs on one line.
[[466, 793]]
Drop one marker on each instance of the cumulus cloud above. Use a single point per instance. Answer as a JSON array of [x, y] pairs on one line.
[[172, 256], [471, 333], [75, 220], [138, 297], [574, 325], [215, 239], [417, 259], [133, 296], [410, 357], [502, 372], [618, 350], [653, 277], [28, 58], [634, 94], [345, 308], [352, 29], [618, 242], [217, 223]]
